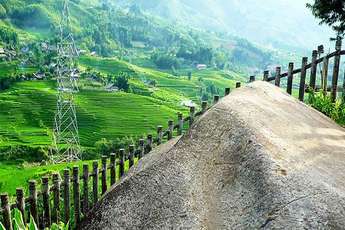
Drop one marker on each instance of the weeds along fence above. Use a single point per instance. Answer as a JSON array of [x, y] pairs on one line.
[[68, 197], [326, 82]]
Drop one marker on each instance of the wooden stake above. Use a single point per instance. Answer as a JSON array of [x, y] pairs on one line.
[[112, 169], [86, 176], [159, 134], [313, 70], [277, 79], [56, 198], [66, 195], [122, 163], [142, 147], [227, 91], [216, 99], [131, 156], [95, 179], [302, 81], [46, 202], [325, 75], [180, 123], [204, 107], [76, 192], [191, 115], [336, 70], [5, 205], [33, 201], [20, 201], [104, 174], [290, 78], [266, 74], [170, 129]]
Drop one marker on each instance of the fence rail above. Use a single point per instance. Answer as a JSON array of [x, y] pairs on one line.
[[73, 194], [334, 88]]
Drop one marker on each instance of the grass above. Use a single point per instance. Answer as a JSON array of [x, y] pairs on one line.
[[27, 112]]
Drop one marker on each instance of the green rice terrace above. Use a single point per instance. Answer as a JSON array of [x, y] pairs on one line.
[[28, 108]]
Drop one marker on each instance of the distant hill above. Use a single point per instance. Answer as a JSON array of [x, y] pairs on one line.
[[286, 24]]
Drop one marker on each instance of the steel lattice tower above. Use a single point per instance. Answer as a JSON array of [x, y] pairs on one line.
[[66, 136]]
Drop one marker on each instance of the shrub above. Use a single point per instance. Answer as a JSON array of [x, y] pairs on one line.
[[324, 104]]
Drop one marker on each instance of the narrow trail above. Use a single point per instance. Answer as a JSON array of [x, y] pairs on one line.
[[258, 159]]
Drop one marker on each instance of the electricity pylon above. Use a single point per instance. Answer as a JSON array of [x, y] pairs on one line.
[[66, 135]]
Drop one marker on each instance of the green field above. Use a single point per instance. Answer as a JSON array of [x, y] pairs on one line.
[[27, 110]]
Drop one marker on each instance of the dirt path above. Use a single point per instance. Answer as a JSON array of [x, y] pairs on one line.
[[258, 159]]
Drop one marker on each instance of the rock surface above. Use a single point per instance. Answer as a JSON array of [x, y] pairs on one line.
[[258, 159]]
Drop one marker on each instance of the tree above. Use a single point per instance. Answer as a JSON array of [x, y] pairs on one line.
[[331, 13], [122, 82]]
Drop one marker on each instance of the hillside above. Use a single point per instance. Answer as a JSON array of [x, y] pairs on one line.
[[290, 26], [130, 34]]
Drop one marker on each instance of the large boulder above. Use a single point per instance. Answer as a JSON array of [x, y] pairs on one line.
[[257, 159]]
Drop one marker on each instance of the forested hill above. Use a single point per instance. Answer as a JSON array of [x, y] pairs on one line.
[[251, 19], [112, 30]]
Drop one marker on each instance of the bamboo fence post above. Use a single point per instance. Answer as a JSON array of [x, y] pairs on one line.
[[216, 99], [20, 201], [76, 195], [33, 200], [238, 84], [46, 202], [66, 195], [86, 176], [203, 107], [56, 198], [277, 78], [325, 75], [104, 174], [266, 74], [122, 163], [191, 115], [313, 70], [251, 78], [95, 178], [180, 123], [290, 78], [159, 134], [5, 205], [112, 169], [170, 129], [336, 70], [302, 81], [142, 147], [131, 156], [227, 91]]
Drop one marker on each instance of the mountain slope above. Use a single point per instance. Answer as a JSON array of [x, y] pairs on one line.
[[272, 23]]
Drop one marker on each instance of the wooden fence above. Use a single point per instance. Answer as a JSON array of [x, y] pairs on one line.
[[63, 199], [58, 204], [317, 60]]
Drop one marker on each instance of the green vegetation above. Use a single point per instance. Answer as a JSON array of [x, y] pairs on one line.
[[324, 104], [137, 72], [18, 223]]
